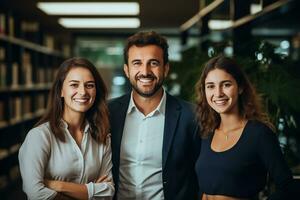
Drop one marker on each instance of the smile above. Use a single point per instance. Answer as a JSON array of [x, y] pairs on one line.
[[81, 100], [220, 102]]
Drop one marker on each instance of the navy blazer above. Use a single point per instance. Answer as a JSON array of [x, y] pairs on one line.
[[181, 146]]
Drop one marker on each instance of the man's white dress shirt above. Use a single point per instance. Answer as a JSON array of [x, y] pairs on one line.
[[141, 154]]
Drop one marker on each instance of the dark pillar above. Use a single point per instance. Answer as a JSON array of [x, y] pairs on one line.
[[242, 36]]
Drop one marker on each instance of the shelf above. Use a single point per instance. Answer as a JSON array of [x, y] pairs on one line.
[[237, 23], [266, 10], [30, 45], [26, 88], [209, 8], [23, 119]]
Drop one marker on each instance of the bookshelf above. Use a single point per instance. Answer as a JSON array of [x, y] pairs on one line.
[[28, 63]]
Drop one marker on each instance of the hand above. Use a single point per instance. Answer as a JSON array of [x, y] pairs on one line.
[[52, 184], [104, 178]]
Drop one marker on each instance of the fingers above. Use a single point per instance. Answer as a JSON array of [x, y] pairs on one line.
[[46, 182], [104, 178]]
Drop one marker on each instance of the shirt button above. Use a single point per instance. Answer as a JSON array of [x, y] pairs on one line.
[[165, 182]]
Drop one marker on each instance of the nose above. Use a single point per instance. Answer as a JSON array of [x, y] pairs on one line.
[[219, 91], [145, 68], [81, 90]]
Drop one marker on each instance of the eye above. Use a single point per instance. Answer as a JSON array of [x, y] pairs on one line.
[[90, 85], [226, 85], [154, 63], [136, 63], [74, 85], [210, 86]]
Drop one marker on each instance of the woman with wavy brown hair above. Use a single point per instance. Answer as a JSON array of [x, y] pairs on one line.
[[239, 148], [67, 154]]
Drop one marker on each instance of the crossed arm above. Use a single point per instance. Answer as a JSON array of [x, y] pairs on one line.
[[33, 161], [69, 190]]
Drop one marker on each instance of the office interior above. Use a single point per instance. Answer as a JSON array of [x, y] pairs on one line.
[[263, 35]]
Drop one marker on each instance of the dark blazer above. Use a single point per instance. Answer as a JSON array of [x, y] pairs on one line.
[[180, 150]]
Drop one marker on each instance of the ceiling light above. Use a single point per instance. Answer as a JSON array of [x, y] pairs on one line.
[[89, 8], [255, 8], [99, 22], [219, 24]]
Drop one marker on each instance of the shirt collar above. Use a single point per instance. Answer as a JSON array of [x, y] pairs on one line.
[[161, 108], [65, 126]]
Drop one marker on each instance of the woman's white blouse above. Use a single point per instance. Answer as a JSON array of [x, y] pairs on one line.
[[43, 156]]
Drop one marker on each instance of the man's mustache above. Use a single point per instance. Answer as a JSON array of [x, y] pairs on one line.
[[150, 76]]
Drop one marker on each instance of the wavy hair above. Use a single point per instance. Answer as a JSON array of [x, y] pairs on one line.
[[97, 115], [249, 103]]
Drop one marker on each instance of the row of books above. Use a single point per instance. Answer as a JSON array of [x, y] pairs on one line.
[[20, 108], [13, 173], [29, 30], [7, 24], [23, 75]]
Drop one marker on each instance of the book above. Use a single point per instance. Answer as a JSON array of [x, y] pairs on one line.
[[30, 31], [27, 106], [2, 23], [2, 53], [18, 108], [3, 74], [27, 68], [2, 111], [15, 75], [11, 26]]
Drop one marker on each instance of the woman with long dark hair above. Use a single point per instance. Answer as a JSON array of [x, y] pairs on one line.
[[67, 154], [239, 148]]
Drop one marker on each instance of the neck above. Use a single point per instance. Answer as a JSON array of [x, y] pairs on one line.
[[229, 122], [75, 122], [147, 104]]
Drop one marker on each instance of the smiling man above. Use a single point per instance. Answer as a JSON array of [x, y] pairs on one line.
[[155, 140]]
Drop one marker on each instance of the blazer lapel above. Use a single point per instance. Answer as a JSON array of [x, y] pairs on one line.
[[119, 121], [171, 119]]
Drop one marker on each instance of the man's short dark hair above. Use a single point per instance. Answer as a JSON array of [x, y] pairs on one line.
[[141, 39]]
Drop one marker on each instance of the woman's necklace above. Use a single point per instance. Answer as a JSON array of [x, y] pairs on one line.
[[226, 134]]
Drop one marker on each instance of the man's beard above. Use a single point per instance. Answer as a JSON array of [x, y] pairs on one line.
[[149, 93]]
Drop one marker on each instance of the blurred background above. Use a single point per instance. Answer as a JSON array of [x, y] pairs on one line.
[[36, 36]]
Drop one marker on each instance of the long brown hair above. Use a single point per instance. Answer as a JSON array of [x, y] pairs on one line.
[[249, 103], [97, 115]]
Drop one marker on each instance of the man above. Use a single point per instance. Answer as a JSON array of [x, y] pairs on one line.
[[155, 140]]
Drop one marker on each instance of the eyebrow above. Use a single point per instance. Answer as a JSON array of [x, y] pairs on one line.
[[153, 59], [225, 81], [76, 81], [150, 60], [135, 60]]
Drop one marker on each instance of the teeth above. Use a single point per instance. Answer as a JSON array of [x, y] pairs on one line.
[[145, 80], [81, 100], [221, 102]]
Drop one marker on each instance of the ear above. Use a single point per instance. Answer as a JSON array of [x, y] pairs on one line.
[[126, 70], [167, 68]]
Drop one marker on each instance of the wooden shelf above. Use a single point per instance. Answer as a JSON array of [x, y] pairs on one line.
[[26, 88], [209, 8], [268, 9], [244, 20], [30, 45], [23, 119]]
